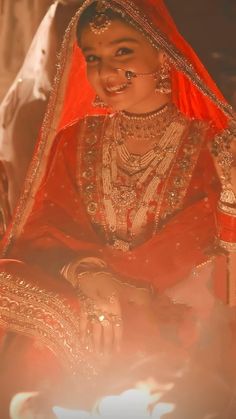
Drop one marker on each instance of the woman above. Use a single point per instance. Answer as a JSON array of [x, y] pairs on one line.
[[112, 252]]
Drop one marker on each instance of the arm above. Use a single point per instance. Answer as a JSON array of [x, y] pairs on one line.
[[224, 151]]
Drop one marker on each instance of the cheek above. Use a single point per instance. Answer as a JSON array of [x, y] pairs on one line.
[[145, 86], [92, 76]]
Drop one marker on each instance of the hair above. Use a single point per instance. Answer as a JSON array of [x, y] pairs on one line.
[[88, 15]]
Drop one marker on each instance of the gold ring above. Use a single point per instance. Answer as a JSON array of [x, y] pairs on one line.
[[116, 320]]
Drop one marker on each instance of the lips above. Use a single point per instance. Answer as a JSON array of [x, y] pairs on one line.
[[116, 89]]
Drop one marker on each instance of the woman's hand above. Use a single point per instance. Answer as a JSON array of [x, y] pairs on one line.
[[100, 319]]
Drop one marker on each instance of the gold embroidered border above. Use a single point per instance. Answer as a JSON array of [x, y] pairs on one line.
[[35, 312], [88, 168], [222, 150], [183, 168]]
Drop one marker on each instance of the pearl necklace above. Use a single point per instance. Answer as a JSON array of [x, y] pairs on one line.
[[148, 127], [161, 162]]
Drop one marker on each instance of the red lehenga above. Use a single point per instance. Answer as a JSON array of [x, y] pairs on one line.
[[60, 216]]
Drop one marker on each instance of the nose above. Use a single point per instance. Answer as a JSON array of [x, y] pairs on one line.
[[107, 71]]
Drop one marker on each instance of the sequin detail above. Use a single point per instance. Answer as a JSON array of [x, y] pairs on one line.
[[40, 314]]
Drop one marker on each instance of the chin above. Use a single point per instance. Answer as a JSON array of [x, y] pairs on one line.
[[122, 106], [118, 103], [117, 108]]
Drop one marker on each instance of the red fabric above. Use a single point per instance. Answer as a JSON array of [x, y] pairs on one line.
[[61, 225], [59, 230], [226, 226]]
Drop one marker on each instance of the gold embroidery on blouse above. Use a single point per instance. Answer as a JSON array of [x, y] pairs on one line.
[[165, 199], [181, 173], [221, 149], [128, 200]]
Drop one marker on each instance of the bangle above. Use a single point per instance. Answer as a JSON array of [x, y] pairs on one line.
[[229, 247], [74, 279], [226, 226], [89, 264], [226, 223], [226, 209]]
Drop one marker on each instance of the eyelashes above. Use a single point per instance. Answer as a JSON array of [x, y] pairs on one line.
[[92, 58], [124, 51]]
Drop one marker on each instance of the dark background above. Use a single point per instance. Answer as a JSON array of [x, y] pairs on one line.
[[210, 27]]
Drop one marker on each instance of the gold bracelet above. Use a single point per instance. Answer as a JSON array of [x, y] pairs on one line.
[[74, 279], [228, 246], [71, 269], [226, 209]]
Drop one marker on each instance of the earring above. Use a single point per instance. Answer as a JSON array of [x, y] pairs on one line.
[[164, 83], [98, 103]]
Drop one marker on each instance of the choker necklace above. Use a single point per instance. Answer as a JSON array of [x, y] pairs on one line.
[[146, 116], [146, 127]]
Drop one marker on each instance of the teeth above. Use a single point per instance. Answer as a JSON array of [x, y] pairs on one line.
[[116, 88]]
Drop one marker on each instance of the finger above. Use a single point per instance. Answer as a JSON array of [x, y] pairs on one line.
[[108, 336], [97, 336], [83, 324], [117, 335]]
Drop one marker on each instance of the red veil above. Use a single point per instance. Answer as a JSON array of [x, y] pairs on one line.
[[51, 227], [36, 227]]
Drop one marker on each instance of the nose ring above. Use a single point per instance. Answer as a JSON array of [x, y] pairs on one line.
[[129, 75]]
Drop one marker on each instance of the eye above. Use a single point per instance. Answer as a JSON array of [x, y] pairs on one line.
[[91, 58], [124, 51]]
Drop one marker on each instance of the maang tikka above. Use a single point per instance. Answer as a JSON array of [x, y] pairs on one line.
[[164, 82], [100, 22]]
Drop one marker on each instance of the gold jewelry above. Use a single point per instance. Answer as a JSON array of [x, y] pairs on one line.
[[101, 21], [98, 103], [228, 246], [116, 320], [164, 82], [168, 145], [149, 116], [83, 266], [227, 209], [228, 196], [221, 148], [103, 320], [95, 315], [144, 127]]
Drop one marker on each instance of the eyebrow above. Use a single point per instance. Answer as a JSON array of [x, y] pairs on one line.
[[115, 42]]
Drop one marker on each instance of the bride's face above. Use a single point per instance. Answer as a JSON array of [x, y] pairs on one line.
[[120, 46]]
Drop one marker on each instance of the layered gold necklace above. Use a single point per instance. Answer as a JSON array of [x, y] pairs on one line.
[[147, 129], [163, 130]]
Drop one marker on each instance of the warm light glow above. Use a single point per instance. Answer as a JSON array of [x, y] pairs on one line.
[[19, 408], [141, 402]]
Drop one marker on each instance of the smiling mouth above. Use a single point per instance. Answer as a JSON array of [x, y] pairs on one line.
[[116, 89]]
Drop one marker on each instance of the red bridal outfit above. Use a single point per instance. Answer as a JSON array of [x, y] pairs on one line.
[[152, 229]]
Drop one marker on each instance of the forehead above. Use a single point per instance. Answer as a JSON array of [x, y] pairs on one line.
[[116, 31]]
